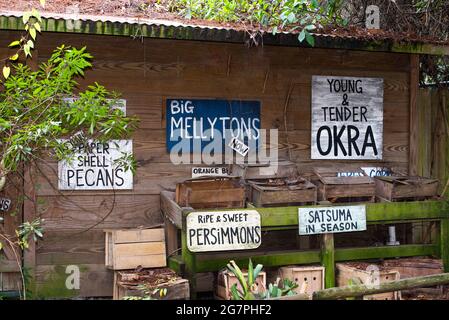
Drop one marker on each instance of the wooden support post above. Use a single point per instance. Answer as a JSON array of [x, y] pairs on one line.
[[188, 257], [444, 243], [328, 259]]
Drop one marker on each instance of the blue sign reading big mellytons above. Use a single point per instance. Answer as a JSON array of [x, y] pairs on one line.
[[194, 124]]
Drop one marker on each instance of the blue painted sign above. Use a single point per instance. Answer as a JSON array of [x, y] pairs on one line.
[[197, 123]]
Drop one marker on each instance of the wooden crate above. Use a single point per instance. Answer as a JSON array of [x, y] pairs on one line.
[[415, 267], [335, 188], [312, 275], [131, 248], [225, 280], [282, 191], [130, 283], [357, 271], [204, 193], [281, 169], [401, 188]]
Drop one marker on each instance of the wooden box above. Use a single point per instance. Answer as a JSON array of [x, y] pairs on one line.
[[207, 193], [281, 169], [131, 284], [226, 280], [131, 248], [336, 188], [415, 267], [360, 271], [312, 275], [282, 191], [399, 188]]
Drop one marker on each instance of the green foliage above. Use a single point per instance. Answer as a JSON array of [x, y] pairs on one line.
[[250, 290], [302, 16], [275, 291], [35, 116], [29, 230]]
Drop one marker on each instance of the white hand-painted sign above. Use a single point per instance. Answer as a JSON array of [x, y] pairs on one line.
[[5, 204], [223, 230], [94, 167], [238, 146], [369, 171], [347, 118], [316, 220], [209, 172]]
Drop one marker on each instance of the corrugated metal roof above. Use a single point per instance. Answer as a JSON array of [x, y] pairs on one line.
[[167, 29]]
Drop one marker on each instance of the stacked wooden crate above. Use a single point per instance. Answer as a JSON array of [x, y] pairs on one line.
[[282, 192], [309, 277], [226, 279], [277, 184], [335, 186], [130, 252], [405, 188], [204, 193], [368, 274], [159, 283]]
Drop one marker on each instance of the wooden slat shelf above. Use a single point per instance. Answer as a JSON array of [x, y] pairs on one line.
[[189, 263]]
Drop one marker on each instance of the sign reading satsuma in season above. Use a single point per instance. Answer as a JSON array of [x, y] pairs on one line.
[[95, 166], [347, 118], [336, 219]]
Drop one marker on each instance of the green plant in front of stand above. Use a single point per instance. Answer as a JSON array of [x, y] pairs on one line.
[[274, 290], [249, 289]]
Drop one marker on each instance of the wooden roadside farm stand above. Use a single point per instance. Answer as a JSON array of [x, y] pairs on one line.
[[150, 62]]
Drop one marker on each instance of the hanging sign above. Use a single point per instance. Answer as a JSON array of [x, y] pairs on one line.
[[369, 171], [347, 118], [209, 172], [95, 167], [5, 204], [336, 219], [196, 123], [223, 230]]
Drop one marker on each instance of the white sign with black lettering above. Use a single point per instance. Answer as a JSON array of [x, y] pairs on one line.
[[223, 230], [336, 219], [209, 172], [239, 147], [5, 204], [347, 118], [95, 167], [369, 171]]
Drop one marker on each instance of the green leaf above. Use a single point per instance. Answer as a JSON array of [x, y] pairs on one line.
[[32, 32], [26, 17], [1, 246], [14, 57], [250, 273], [14, 43], [30, 43], [6, 71], [302, 35], [275, 30], [37, 26], [257, 270], [310, 39]]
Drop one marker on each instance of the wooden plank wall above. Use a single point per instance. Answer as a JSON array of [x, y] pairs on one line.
[[148, 71], [433, 134]]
